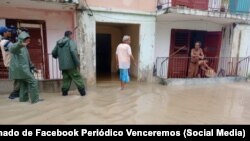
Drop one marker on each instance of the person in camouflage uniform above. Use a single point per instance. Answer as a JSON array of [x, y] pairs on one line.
[[66, 52], [21, 69]]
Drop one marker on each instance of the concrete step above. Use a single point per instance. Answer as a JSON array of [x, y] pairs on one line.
[[200, 81]]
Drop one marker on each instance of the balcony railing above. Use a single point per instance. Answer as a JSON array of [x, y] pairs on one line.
[[178, 67], [225, 6]]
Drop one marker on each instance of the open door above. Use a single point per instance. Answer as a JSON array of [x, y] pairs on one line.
[[103, 55], [179, 51], [178, 57], [37, 48], [212, 48]]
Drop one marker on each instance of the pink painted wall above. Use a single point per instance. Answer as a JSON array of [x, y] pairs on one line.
[[56, 21], [138, 5]]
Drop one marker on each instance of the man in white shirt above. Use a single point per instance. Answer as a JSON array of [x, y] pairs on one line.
[[123, 55], [5, 45]]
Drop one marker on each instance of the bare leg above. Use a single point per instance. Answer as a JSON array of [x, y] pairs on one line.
[[204, 65], [122, 85], [203, 68]]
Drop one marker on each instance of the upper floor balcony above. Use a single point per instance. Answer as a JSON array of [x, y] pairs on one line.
[[230, 9]]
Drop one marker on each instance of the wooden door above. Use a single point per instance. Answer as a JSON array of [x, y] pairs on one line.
[[199, 4], [195, 4], [179, 51], [212, 48], [186, 3], [36, 47]]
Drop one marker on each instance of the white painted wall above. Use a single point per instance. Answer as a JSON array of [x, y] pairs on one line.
[[2, 22], [86, 35], [244, 50], [241, 45], [245, 46], [227, 39]]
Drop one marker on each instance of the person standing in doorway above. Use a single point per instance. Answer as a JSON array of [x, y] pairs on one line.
[[21, 69], [197, 60], [123, 55], [5, 45], [66, 52]]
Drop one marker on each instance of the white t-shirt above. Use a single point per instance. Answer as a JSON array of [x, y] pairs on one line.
[[123, 51], [6, 54]]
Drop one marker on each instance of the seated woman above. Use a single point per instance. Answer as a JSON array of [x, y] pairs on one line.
[[197, 60]]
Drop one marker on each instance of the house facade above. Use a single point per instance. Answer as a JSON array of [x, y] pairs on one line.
[[46, 22], [163, 33], [102, 25], [220, 25]]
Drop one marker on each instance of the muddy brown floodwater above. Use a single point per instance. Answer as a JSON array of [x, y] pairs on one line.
[[138, 104]]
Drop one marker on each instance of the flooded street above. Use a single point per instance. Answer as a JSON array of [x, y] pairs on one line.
[[138, 104]]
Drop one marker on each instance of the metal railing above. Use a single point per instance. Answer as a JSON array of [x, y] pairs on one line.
[[212, 5], [215, 5], [3, 71], [54, 72], [45, 72], [178, 67]]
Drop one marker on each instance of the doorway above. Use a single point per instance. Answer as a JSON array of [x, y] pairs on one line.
[[38, 46], [103, 55], [108, 37], [182, 41]]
